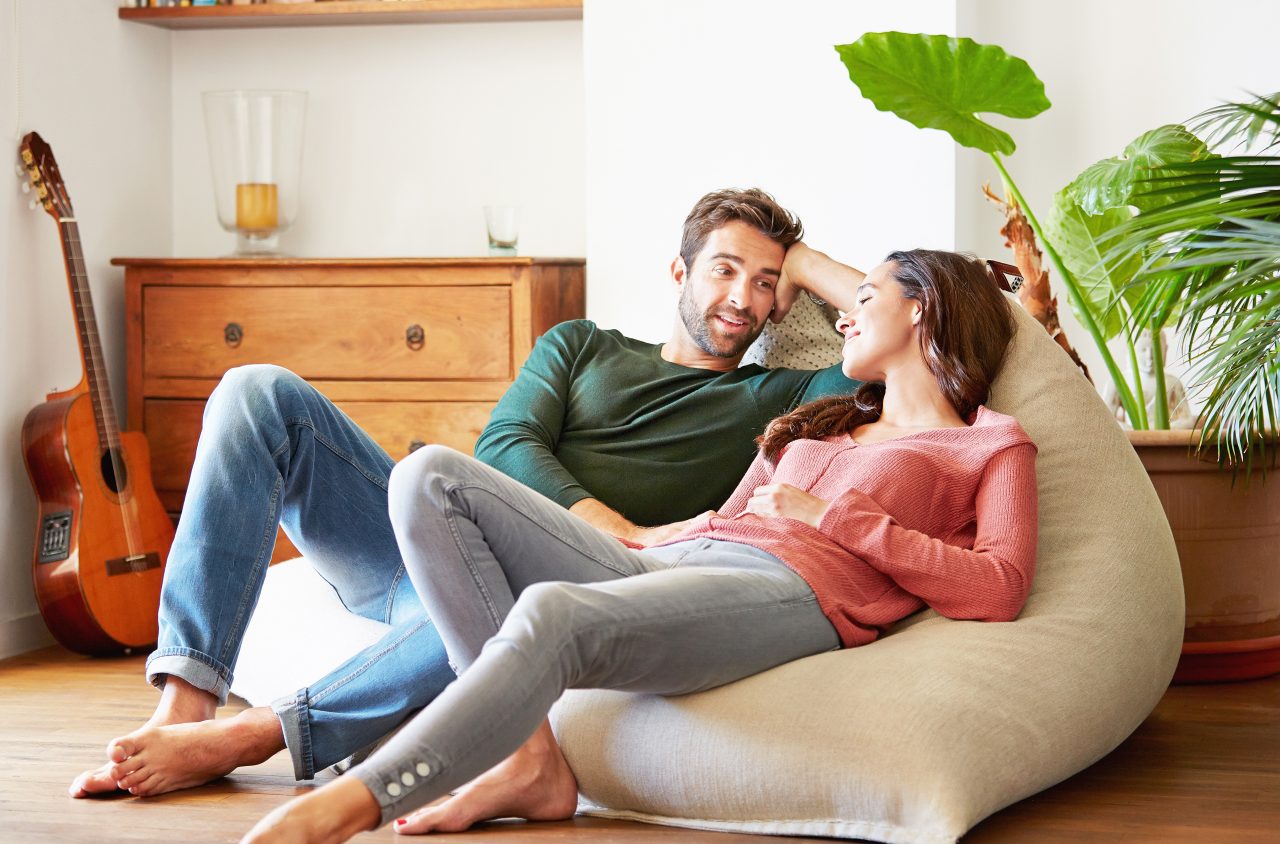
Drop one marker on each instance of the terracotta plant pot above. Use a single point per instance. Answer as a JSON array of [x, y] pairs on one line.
[[1228, 539]]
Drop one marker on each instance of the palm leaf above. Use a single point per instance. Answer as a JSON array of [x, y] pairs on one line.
[[1214, 250], [1241, 123]]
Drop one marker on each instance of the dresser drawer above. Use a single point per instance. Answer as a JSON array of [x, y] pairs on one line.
[[173, 427], [364, 333]]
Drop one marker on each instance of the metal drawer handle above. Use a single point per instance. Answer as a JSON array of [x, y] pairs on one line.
[[415, 337], [414, 445], [233, 334]]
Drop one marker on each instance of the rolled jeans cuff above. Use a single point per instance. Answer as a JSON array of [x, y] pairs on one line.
[[295, 724], [199, 669]]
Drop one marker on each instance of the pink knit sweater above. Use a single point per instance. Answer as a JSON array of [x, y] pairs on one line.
[[945, 517]]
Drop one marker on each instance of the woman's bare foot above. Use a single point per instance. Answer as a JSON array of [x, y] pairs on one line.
[[336, 812], [535, 783], [180, 703]]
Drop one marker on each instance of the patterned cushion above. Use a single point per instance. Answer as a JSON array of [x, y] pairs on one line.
[[806, 339]]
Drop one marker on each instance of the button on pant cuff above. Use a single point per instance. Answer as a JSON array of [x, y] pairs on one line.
[[295, 724], [396, 791], [198, 669]]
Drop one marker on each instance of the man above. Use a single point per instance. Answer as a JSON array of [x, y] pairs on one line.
[[629, 436]]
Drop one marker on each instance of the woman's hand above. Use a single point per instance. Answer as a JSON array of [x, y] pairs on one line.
[[661, 533], [784, 501]]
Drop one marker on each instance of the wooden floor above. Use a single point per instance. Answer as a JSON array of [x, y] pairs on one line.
[[1205, 767]]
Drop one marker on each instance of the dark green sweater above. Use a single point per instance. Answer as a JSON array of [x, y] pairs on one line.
[[594, 414]]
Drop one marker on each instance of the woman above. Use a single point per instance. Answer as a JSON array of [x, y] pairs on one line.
[[858, 511]]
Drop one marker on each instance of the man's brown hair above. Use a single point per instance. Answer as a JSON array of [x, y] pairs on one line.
[[751, 206]]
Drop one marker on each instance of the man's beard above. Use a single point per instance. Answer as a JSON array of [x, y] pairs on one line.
[[699, 327]]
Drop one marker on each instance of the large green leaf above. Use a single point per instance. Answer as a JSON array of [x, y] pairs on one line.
[[1125, 179], [939, 82], [1079, 239]]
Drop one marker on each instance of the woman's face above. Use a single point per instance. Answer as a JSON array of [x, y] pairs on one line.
[[880, 331]]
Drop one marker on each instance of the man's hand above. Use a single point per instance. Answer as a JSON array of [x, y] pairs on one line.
[[605, 518], [661, 533], [791, 282], [805, 269], [784, 501]]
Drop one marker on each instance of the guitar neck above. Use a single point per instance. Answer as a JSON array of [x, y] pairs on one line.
[[95, 366]]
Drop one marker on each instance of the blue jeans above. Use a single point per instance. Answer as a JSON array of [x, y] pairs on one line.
[[274, 451]]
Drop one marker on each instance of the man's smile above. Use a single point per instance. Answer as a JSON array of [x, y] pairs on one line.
[[732, 323]]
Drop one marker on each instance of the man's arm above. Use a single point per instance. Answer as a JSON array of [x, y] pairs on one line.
[[807, 269], [605, 518], [524, 428], [523, 431]]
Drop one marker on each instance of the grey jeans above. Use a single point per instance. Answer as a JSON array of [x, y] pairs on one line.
[[530, 601]]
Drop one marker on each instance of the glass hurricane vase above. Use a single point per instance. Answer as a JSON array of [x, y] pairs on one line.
[[255, 151]]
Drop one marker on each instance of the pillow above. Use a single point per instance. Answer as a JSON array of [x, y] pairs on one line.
[[925, 732], [274, 660], [806, 339]]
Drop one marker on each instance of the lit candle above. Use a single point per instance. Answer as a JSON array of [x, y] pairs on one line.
[[256, 206]]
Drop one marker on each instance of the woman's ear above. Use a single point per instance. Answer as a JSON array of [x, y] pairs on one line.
[[916, 312]]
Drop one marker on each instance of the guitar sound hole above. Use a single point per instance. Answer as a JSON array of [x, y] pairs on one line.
[[114, 483]]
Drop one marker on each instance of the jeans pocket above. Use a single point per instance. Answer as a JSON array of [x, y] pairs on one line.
[[682, 550]]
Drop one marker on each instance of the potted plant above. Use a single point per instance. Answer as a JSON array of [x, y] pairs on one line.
[[1130, 240], [1208, 251]]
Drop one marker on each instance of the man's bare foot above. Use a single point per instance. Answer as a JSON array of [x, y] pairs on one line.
[[155, 760], [334, 813], [180, 703], [535, 783]]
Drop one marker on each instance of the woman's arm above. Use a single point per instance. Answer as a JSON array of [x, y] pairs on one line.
[[988, 583]]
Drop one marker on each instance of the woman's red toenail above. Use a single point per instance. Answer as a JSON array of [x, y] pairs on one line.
[[401, 821]]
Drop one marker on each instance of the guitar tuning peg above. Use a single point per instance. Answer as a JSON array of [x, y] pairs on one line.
[[20, 170], [25, 187], [33, 205]]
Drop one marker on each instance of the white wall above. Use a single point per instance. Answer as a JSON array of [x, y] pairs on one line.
[[1112, 70], [686, 96], [411, 130], [98, 92]]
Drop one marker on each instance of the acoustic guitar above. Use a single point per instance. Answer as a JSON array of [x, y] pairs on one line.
[[102, 536]]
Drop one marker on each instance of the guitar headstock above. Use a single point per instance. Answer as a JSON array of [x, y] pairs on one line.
[[42, 170]]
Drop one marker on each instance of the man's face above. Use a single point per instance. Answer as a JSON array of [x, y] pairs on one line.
[[727, 295]]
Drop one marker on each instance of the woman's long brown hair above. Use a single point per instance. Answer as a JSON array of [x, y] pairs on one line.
[[965, 328]]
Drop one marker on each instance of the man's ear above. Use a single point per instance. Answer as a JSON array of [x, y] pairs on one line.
[[678, 271]]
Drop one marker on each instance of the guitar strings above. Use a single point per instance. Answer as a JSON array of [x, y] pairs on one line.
[[105, 405]]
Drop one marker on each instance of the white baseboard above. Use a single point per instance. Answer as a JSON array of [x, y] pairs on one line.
[[22, 634]]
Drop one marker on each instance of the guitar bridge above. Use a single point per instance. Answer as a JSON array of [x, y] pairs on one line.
[[55, 537], [133, 563]]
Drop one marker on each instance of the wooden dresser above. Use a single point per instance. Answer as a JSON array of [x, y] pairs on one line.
[[415, 350]]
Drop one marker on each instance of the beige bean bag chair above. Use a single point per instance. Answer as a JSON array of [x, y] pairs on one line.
[[922, 734]]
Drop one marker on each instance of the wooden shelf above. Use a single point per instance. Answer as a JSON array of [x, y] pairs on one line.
[[354, 12]]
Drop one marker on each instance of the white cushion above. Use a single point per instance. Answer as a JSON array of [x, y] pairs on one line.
[[920, 735], [299, 632]]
